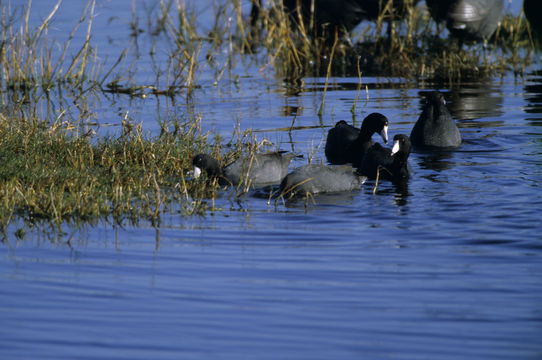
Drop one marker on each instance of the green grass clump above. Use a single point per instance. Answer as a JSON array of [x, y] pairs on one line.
[[52, 176], [49, 175]]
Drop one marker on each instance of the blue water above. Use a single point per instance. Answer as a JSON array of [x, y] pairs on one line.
[[448, 268]]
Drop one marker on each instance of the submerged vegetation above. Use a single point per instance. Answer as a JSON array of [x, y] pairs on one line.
[[56, 170]]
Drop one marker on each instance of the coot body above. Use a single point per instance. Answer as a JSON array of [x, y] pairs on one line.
[[347, 144], [435, 127], [253, 170], [391, 164], [314, 179]]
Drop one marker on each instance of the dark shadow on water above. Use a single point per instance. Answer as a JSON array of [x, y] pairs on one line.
[[435, 160], [399, 191], [533, 96]]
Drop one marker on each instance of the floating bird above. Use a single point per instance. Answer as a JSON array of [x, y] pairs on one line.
[[467, 19], [435, 127], [314, 179], [253, 170], [347, 144], [391, 164]]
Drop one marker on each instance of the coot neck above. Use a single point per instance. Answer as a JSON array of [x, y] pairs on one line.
[[365, 134]]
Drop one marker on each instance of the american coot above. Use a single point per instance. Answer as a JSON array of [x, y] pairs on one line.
[[532, 9], [342, 15], [468, 19], [313, 179], [392, 164], [435, 127], [253, 170], [347, 144]]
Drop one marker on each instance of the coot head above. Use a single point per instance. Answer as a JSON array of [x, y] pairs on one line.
[[375, 123], [400, 152], [204, 162], [401, 146]]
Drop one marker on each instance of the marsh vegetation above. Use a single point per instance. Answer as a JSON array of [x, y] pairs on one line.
[[57, 170]]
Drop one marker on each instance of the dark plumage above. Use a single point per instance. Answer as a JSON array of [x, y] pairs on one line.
[[347, 144], [392, 164], [253, 170], [313, 179], [467, 19], [435, 127], [328, 16], [339, 140], [342, 15], [373, 8], [532, 9]]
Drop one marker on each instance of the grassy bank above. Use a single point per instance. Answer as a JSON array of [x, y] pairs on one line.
[[51, 177]]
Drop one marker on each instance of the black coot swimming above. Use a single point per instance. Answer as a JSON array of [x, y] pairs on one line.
[[391, 164], [347, 144], [314, 179], [435, 127], [342, 15], [468, 19], [253, 170]]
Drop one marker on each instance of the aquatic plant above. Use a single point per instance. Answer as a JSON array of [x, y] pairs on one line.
[[50, 176], [32, 67]]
